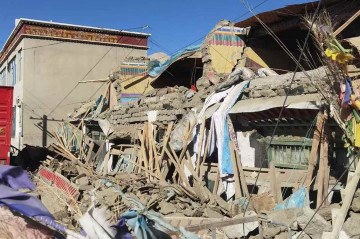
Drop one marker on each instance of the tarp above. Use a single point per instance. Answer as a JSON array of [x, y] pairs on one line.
[[13, 178], [157, 70], [298, 199], [310, 101]]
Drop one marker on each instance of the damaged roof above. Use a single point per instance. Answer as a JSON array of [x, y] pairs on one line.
[[281, 14]]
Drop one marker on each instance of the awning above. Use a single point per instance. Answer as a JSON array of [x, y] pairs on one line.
[[310, 101]]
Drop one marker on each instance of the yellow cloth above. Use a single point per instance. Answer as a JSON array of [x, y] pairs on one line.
[[356, 131]]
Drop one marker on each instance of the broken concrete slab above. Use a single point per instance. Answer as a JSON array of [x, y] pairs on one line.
[[241, 230], [316, 226], [351, 225], [166, 208]]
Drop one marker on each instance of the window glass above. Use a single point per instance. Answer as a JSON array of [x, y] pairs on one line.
[[13, 123], [3, 77], [12, 71]]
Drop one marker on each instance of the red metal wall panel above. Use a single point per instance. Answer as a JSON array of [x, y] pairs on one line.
[[6, 100]]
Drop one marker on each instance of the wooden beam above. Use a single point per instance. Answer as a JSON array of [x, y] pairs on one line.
[[235, 171], [314, 149], [222, 223], [347, 23], [326, 166], [349, 194], [201, 139], [273, 183], [323, 165], [239, 167]]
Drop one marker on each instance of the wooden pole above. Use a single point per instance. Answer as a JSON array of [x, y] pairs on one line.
[[235, 171], [274, 190], [314, 149], [347, 23], [349, 194], [326, 166], [201, 139], [243, 182], [321, 193]]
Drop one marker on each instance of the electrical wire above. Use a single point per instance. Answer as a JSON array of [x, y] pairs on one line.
[[26, 106], [72, 90], [327, 195], [51, 44], [286, 92], [307, 135], [106, 81]]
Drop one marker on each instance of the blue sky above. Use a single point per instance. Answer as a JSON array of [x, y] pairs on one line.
[[172, 23]]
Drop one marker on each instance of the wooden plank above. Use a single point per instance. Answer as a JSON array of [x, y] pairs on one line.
[[274, 192], [165, 141], [202, 130], [322, 168], [178, 168], [314, 149], [349, 194], [222, 223], [89, 152], [143, 157], [347, 23], [113, 101], [95, 81], [326, 166], [186, 140], [235, 171], [233, 139]]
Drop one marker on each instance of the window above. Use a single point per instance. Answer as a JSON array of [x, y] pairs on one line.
[[13, 127], [12, 71], [3, 77], [19, 57]]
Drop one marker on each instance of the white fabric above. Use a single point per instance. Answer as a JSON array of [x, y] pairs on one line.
[[218, 120], [209, 101]]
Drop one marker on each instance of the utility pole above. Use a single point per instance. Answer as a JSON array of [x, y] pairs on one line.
[[45, 120]]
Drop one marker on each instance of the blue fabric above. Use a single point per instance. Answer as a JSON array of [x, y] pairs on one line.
[[226, 165], [347, 91], [298, 199], [138, 222], [15, 177], [158, 69], [22, 202], [122, 231]]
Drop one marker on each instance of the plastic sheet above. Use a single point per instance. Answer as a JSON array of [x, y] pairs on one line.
[[298, 199], [158, 69]]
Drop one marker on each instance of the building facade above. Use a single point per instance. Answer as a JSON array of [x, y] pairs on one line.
[[45, 61]]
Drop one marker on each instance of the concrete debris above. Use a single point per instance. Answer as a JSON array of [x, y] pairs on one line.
[[351, 225], [317, 226], [355, 204], [241, 230]]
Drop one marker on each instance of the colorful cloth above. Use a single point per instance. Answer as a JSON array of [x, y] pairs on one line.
[[347, 91]]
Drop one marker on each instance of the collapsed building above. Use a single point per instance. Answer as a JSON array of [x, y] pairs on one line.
[[223, 139]]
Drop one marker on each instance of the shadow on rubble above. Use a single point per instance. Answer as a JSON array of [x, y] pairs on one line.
[[30, 157]]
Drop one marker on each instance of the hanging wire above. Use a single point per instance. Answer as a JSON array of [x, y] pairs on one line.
[[286, 92]]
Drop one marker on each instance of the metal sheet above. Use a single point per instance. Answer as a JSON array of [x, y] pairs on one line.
[[310, 101]]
